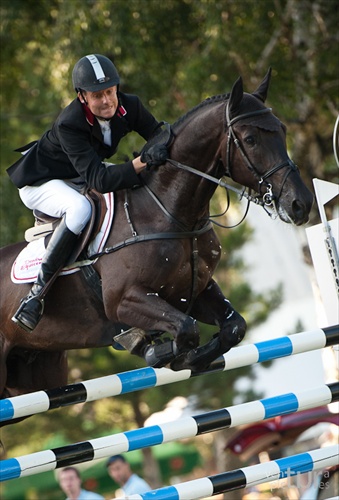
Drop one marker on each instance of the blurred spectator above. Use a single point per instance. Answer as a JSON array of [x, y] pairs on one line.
[[70, 483], [120, 471]]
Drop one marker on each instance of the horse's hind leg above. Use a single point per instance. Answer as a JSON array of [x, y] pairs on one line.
[[211, 307], [29, 371], [5, 348]]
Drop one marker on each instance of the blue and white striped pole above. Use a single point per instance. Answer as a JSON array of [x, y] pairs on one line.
[[246, 477], [188, 427], [145, 378]]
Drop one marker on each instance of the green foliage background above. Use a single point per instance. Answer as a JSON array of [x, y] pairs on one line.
[[173, 54]]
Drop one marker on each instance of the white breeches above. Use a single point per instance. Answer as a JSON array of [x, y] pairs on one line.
[[57, 199]]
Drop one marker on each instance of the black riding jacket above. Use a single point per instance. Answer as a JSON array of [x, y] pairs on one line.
[[75, 147]]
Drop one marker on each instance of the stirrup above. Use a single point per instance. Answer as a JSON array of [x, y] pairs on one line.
[[29, 319]]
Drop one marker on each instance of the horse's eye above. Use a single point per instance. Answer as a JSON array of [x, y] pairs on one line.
[[250, 140]]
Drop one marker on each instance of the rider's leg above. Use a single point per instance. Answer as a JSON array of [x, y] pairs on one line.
[[76, 210]]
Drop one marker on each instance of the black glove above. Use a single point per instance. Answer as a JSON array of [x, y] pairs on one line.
[[156, 155]]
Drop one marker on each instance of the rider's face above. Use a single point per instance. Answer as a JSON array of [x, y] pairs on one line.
[[102, 103]]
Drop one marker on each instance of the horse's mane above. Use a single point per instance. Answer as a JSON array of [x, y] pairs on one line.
[[207, 101], [265, 122], [161, 136]]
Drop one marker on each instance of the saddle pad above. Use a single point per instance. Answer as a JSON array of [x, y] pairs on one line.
[[27, 264]]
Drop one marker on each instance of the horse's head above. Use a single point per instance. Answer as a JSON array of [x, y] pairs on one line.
[[255, 154]]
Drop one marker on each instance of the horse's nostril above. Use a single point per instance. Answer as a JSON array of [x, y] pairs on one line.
[[299, 211]]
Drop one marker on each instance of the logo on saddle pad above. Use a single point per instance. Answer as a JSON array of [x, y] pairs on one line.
[[27, 264]]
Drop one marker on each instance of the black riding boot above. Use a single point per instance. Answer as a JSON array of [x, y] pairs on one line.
[[57, 253]]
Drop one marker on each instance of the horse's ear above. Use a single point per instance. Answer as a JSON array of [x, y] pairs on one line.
[[261, 92], [236, 95]]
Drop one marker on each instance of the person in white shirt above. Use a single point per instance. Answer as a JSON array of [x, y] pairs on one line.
[[120, 471], [70, 483]]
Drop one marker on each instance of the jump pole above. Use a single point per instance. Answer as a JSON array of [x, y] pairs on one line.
[[145, 378], [188, 427], [246, 477]]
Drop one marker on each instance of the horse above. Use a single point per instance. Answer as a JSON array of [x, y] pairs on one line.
[[157, 269]]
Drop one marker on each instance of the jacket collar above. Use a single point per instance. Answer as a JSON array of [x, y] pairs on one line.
[[118, 122], [88, 113], [121, 111]]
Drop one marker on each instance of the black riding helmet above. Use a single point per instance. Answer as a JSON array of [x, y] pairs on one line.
[[94, 72]]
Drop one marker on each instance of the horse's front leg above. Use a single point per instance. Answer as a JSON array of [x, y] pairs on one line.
[[144, 309], [211, 307]]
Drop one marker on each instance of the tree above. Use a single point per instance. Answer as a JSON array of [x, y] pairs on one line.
[[173, 54]]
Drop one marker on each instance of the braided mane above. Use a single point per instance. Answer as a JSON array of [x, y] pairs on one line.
[[206, 102], [163, 135]]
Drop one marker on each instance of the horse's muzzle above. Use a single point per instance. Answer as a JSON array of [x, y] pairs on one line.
[[300, 212], [295, 209]]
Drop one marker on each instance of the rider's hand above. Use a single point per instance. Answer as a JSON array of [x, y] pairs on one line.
[[156, 155]]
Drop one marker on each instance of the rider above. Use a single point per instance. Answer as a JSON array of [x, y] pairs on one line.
[[55, 171]]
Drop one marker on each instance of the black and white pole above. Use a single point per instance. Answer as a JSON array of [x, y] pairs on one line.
[[188, 427], [246, 477], [145, 378]]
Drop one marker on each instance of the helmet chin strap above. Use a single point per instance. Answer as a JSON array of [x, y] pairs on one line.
[[82, 96]]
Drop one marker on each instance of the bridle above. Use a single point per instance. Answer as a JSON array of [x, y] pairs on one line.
[[268, 197]]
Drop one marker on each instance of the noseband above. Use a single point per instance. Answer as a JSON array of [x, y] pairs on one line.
[[268, 197]]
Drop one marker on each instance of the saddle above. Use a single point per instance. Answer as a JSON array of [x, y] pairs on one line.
[[44, 224]]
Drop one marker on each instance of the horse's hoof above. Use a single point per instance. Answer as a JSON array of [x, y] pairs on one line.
[[180, 362], [160, 354], [131, 338], [199, 359]]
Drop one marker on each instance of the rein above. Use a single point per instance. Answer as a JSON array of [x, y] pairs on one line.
[[220, 182]]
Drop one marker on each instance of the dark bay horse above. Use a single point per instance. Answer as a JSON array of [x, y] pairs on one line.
[[163, 282]]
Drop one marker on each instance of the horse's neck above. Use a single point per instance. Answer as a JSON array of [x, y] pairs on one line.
[[200, 133], [186, 195]]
